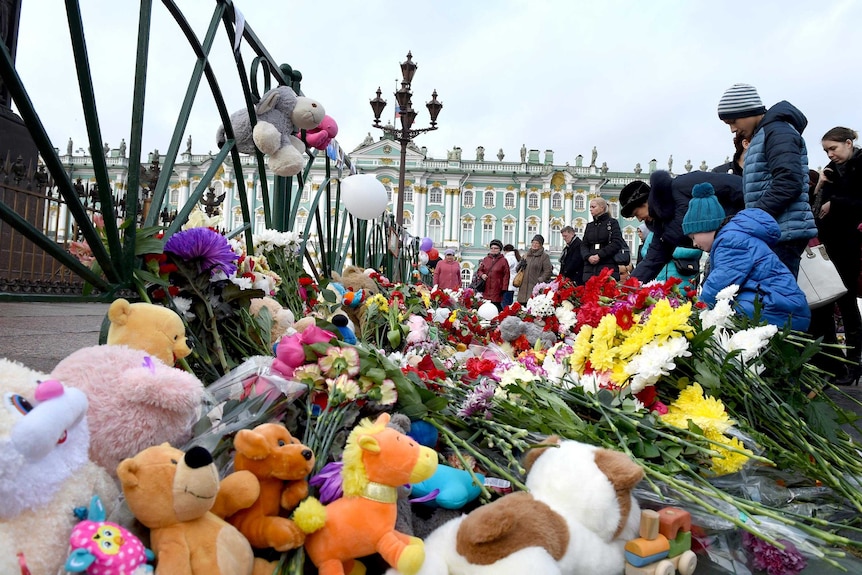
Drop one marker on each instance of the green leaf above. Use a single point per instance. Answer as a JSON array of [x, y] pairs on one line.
[[439, 403], [821, 419], [394, 337]]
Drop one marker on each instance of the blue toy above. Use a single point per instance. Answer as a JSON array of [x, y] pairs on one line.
[[455, 488]]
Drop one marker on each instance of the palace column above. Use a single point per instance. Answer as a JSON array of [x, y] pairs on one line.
[[521, 233], [568, 197], [447, 214], [420, 201], [455, 216], [546, 215]]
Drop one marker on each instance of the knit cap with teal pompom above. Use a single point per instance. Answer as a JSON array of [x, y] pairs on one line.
[[705, 213]]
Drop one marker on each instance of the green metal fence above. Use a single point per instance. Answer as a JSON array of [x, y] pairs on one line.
[[117, 251]]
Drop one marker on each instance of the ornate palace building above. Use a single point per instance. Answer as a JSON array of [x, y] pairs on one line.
[[458, 202]]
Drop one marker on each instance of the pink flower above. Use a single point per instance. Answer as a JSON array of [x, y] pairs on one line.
[[290, 352]]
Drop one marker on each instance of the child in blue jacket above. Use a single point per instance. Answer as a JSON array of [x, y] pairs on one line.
[[740, 253]]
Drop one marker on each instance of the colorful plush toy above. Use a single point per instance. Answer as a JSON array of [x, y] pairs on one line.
[[153, 328], [172, 492], [322, 135], [280, 114], [559, 527], [280, 465], [377, 460], [44, 470], [135, 400], [449, 488], [100, 547]]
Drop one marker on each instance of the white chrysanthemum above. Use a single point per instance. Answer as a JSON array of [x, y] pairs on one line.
[[242, 282], [515, 373], [264, 282], [718, 316], [590, 382], [727, 293], [541, 305], [184, 307], [554, 369], [751, 341], [654, 361], [566, 317]]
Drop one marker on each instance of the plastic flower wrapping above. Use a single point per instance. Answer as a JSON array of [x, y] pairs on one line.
[[725, 414]]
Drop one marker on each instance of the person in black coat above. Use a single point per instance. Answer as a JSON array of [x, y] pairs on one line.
[[602, 240], [735, 165], [838, 212], [571, 261], [662, 204]]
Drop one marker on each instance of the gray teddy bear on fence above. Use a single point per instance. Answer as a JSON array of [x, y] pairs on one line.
[[280, 113]]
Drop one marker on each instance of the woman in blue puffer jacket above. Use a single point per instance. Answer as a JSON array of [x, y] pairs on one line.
[[740, 253]]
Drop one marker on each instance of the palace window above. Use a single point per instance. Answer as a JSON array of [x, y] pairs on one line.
[[508, 233], [467, 199], [435, 196], [489, 199], [580, 203], [533, 201], [614, 209], [556, 238], [408, 194], [532, 230], [487, 232], [306, 191], [466, 277], [301, 219], [509, 200], [388, 193], [557, 201], [435, 230], [467, 232], [259, 222]]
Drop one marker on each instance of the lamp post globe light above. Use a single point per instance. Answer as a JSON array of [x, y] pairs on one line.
[[405, 133]]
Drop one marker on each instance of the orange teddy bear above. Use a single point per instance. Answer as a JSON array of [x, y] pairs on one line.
[[281, 464]]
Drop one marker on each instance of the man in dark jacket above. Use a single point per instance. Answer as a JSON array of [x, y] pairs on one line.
[[775, 171], [662, 205], [571, 261]]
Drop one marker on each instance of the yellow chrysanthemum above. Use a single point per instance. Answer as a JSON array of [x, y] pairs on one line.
[[727, 461], [706, 412], [581, 349], [377, 300], [426, 300], [453, 316], [602, 356]]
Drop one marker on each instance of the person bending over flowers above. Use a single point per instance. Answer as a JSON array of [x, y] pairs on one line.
[[740, 253]]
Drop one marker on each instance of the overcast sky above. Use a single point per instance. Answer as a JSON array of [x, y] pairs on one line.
[[637, 80]]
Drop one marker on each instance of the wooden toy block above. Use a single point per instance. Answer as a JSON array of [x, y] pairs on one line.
[[672, 520], [633, 559], [649, 524], [647, 547], [681, 544]]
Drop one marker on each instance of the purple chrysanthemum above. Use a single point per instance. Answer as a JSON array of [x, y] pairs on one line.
[[773, 560], [478, 400], [208, 249]]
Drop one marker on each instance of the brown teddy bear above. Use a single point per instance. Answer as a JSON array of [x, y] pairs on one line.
[[280, 463], [282, 318], [153, 328], [171, 493]]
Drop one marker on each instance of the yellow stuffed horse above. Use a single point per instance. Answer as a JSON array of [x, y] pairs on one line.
[[377, 460]]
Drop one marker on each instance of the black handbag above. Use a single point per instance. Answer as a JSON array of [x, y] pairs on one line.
[[687, 266], [478, 284], [624, 256]]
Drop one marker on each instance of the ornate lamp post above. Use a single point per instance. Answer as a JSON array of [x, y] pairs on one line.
[[406, 132]]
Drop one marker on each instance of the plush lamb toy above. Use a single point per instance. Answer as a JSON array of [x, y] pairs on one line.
[[512, 327], [577, 517], [44, 470], [280, 113]]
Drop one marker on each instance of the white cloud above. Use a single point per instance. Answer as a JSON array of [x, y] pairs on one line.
[[637, 80]]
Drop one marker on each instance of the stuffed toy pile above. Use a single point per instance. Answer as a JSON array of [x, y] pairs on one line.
[[45, 472], [280, 115], [577, 517]]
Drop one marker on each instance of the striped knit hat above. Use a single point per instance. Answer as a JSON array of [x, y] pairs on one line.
[[740, 101]]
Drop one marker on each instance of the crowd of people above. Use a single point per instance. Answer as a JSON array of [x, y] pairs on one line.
[[749, 221]]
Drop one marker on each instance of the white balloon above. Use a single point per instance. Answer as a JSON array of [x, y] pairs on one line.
[[423, 258], [364, 196], [487, 311]]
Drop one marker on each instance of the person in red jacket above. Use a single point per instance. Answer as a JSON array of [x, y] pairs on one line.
[[494, 269], [447, 274]]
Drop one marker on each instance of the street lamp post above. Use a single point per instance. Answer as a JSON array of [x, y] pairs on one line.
[[405, 134]]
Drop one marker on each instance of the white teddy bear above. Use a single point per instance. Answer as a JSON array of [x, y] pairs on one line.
[[280, 113], [45, 472]]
